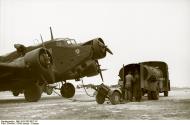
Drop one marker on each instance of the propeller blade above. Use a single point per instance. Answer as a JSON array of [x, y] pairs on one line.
[[104, 69], [108, 50], [100, 71], [101, 76]]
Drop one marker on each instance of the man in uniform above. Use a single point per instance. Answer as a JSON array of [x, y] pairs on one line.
[[129, 80], [136, 86]]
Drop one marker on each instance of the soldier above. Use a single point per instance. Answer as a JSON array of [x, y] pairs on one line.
[[129, 85], [136, 86]]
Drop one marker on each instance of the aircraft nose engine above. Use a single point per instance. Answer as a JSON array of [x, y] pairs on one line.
[[99, 48], [39, 62]]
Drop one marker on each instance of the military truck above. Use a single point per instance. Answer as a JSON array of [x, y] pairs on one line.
[[153, 79]]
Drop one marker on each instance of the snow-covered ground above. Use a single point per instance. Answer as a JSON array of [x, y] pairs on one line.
[[175, 106]]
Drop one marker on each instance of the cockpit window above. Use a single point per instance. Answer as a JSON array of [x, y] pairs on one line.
[[64, 41], [60, 43], [70, 41]]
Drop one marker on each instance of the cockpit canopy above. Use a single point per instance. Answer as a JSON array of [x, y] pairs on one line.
[[64, 41]]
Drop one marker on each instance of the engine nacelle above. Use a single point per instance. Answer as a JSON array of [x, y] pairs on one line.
[[39, 62], [99, 49], [91, 70]]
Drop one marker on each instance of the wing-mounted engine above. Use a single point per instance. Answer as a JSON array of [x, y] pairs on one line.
[[39, 62], [99, 48], [91, 70]]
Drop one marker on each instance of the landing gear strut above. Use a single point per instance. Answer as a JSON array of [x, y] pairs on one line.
[[67, 90]]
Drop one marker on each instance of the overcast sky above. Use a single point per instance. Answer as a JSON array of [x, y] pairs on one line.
[[135, 30]]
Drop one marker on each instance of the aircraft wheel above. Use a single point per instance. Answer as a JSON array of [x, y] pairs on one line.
[[67, 90], [165, 93], [100, 99], [15, 93], [33, 93], [115, 98]]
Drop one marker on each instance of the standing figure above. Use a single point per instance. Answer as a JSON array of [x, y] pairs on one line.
[[136, 87], [129, 85]]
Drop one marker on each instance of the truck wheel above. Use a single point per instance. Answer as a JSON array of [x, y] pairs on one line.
[[33, 93], [100, 99], [115, 98], [165, 93]]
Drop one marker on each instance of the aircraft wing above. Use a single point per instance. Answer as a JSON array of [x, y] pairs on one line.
[[34, 65], [10, 71]]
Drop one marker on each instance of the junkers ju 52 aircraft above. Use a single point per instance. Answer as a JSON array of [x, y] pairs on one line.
[[28, 69]]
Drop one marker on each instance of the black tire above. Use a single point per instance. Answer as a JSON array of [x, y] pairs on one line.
[[33, 93], [115, 98], [67, 90], [100, 99], [15, 93], [165, 93]]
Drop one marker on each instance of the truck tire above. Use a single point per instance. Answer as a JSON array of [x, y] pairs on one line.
[[115, 98], [165, 93], [100, 99]]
